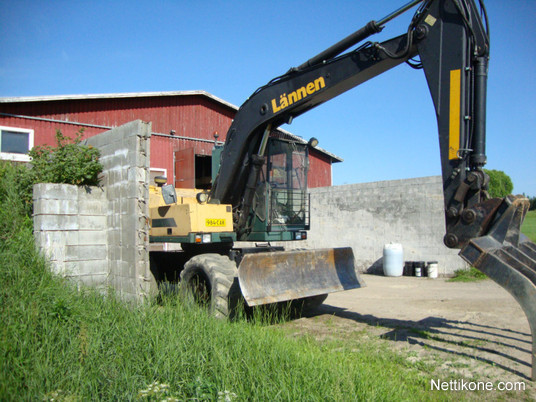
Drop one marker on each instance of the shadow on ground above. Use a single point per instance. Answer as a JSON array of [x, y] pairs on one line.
[[502, 348]]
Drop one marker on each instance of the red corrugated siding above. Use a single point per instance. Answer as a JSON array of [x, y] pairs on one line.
[[190, 116], [319, 174], [45, 132]]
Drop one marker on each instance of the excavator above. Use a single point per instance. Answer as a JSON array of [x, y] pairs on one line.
[[259, 190]]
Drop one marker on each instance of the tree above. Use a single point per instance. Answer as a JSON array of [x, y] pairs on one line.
[[500, 184], [532, 203]]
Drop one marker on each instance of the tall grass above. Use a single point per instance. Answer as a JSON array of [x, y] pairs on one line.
[[529, 225], [68, 344]]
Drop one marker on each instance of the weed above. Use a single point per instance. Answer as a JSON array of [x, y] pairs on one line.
[[467, 275]]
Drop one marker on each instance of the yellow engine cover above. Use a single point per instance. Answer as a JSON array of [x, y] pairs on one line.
[[188, 216]]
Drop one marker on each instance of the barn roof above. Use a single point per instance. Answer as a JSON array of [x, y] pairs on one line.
[[48, 98], [51, 98]]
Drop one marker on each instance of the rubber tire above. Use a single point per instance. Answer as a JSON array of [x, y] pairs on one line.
[[220, 277]]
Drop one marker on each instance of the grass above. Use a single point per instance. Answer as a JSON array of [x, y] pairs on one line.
[[529, 225], [61, 343], [58, 342], [467, 275]]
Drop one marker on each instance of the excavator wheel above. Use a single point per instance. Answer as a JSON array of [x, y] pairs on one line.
[[211, 280]]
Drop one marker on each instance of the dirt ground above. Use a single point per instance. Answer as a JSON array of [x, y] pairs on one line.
[[475, 331]]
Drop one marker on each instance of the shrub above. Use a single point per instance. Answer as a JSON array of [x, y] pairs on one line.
[[500, 184], [16, 183], [68, 162]]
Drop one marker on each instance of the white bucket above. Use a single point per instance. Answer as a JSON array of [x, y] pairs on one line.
[[432, 269], [393, 259]]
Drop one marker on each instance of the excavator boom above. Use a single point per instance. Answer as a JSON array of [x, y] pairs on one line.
[[452, 43]]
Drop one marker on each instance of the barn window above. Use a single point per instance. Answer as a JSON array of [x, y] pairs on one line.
[[15, 143]]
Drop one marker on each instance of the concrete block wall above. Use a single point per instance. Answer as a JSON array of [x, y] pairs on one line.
[[367, 216], [111, 228], [71, 230], [125, 160]]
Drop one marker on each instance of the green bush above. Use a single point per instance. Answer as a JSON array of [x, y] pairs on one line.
[[68, 162], [500, 184], [15, 199], [16, 182]]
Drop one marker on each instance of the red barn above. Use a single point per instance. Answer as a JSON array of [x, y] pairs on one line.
[[183, 125]]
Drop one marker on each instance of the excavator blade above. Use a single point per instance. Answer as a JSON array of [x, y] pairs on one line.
[[287, 275], [509, 258]]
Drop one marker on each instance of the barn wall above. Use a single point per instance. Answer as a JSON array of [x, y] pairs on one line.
[[319, 174], [194, 116]]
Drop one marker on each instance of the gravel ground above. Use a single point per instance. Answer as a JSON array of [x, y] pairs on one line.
[[474, 331]]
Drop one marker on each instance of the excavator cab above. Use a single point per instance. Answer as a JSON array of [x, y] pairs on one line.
[[281, 204]]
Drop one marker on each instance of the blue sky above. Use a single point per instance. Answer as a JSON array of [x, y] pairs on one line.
[[385, 129]]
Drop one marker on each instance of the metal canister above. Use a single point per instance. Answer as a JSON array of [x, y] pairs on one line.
[[408, 268], [419, 268], [432, 269]]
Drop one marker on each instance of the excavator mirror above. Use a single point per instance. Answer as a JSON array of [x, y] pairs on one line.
[[169, 195]]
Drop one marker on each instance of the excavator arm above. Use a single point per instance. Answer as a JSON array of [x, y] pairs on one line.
[[450, 38], [453, 45]]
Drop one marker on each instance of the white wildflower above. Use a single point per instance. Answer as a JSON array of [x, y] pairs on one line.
[[226, 396]]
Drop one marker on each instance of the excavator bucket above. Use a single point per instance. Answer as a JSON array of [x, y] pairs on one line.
[[509, 258], [287, 275]]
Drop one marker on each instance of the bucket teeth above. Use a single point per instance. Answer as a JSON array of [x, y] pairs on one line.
[[528, 248], [512, 267], [509, 258], [523, 255]]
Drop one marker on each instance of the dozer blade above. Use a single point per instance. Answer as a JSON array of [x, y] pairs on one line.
[[287, 275], [509, 258]]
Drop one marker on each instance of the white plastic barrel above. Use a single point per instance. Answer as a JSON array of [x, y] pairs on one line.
[[393, 259], [432, 269]]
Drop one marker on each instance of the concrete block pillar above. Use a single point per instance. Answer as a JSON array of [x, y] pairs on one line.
[[125, 155]]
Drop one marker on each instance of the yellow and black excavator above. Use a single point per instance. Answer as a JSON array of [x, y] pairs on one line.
[[260, 191]]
